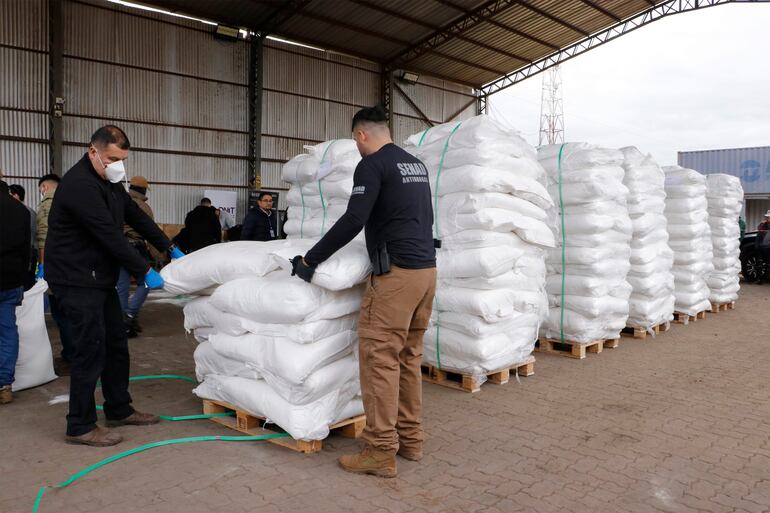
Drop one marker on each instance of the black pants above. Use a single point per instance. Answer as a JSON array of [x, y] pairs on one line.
[[765, 254], [100, 351]]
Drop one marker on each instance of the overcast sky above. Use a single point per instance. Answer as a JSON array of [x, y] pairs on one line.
[[697, 80]]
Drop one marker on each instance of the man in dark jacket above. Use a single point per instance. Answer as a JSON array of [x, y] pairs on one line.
[[84, 251], [19, 194], [201, 226], [15, 247], [261, 222]]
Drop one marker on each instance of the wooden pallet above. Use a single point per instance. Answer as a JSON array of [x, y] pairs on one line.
[[253, 425], [468, 383], [683, 318], [722, 307], [641, 333], [574, 349]]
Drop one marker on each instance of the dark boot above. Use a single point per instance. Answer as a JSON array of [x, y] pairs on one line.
[[99, 437], [133, 320], [128, 323]]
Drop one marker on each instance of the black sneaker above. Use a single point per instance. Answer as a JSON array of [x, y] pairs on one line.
[[134, 323]]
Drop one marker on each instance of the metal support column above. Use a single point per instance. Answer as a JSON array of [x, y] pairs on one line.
[[55, 84], [481, 102], [255, 111], [387, 96]]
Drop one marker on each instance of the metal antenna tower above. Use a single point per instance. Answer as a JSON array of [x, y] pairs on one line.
[[551, 108]]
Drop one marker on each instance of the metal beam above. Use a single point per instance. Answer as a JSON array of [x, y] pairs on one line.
[[390, 39], [494, 22], [645, 17], [411, 103], [606, 12], [481, 103], [420, 22], [450, 31], [387, 96], [256, 46], [280, 16], [55, 85]]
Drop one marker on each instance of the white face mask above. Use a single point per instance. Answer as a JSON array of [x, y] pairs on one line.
[[115, 172]]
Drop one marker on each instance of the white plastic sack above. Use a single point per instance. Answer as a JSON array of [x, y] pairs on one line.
[[34, 365]]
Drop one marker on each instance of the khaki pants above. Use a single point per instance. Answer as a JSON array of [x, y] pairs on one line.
[[395, 313]]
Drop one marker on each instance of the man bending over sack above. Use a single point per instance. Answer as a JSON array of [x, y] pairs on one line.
[[391, 199], [84, 252]]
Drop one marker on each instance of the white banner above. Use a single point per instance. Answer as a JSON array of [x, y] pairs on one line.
[[226, 200]]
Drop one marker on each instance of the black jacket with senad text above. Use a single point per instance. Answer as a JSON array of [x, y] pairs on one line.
[[85, 245]]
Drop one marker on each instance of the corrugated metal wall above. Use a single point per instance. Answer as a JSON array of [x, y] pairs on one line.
[[24, 153], [310, 96], [439, 100], [182, 98], [180, 95], [751, 165]]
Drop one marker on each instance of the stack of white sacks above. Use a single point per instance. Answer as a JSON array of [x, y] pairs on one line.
[[689, 236], [271, 344], [725, 202], [652, 297], [490, 207], [321, 182], [587, 288]]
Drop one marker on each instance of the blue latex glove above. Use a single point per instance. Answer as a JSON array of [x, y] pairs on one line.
[[175, 253], [39, 274], [153, 280]]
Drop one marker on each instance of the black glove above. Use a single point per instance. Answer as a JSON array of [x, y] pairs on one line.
[[301, 269]]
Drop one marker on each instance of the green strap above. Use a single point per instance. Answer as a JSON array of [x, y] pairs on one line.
[[438, 181], [320, 190], [145, 447], [302, 221], [186, 417], [436, 226], [164, 376], [323, 206], [423, 136], [563, 245]]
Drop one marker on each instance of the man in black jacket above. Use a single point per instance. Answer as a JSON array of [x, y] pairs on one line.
[[15, 237], [260, 223], [84, 251], [201, 227]]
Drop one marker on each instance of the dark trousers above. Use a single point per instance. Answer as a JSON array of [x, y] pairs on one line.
[[100, 351], [64, 328], [765, 254]]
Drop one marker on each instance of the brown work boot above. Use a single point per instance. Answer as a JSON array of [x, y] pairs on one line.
[[410, 454], [370, 461], [99, 437], [135, 419], [6, 396]]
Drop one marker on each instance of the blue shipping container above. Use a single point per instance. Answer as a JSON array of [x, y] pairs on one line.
[[751, 165]]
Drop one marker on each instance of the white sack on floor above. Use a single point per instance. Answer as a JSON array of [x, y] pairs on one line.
[[35, 363]]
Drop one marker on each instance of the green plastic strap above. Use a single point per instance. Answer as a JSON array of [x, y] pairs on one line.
[[563, 244], [438, 181], [302, 221], [436, 226], [323, 206], [187, 417], [152, 445], [423, 136], [164, 376]]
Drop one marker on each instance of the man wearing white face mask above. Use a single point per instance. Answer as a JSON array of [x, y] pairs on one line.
[[84, 252]]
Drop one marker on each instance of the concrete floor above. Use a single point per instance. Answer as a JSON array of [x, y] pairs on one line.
[[678, 423]]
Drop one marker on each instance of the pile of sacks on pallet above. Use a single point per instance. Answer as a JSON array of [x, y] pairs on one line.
[[587, 288], [321, 182], [689, 237], [271, 344], [652, 282], [724, 195], [490, 204]]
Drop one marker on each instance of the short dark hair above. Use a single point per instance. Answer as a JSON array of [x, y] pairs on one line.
[[48, 178], [374, 114], [110, 134], [263, 194], [18, 190], [205, 201]]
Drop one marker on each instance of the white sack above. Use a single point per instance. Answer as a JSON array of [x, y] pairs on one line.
[[34, 365]]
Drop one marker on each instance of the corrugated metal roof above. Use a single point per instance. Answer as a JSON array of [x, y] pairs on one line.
[[484, 49]]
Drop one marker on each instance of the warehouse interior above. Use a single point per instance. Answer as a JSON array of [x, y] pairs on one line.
[[218, 96], [224, 113]]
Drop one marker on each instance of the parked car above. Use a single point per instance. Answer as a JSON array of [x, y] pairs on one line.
[[751, 261]]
